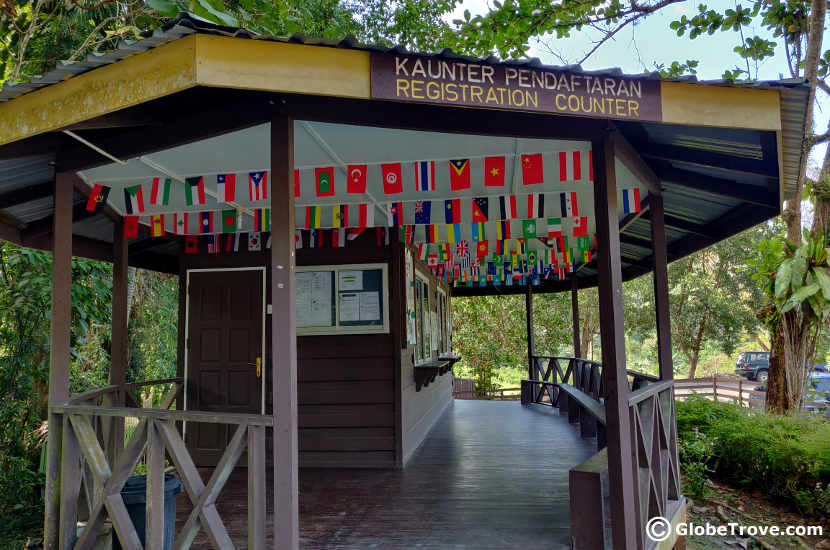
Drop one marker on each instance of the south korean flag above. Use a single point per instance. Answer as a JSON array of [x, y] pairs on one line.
[[254, 242]]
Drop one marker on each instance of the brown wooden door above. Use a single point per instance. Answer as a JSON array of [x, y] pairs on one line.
[[224, 341]]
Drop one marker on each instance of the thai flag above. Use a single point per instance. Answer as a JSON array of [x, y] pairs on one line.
[[630, 200], [425, 176], [258, 186]]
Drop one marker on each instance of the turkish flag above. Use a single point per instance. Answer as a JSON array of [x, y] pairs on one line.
[[357, 178], [532, 172], [392, 179], [493, 171]]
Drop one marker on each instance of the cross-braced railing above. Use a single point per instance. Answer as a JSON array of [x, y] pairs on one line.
[[579, 390], [91, 479]]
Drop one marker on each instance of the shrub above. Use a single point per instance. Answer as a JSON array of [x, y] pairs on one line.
[[788, 458]]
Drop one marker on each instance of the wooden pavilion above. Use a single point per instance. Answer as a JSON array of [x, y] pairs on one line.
[[321, 203]]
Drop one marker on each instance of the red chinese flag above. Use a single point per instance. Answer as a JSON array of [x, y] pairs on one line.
[[130, 227], [392, 179], [459, 174], [357, 178], [296, 184], [532, 172], [191, 244], [493, 171]]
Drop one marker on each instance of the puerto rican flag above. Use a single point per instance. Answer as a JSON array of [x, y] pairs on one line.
[[630, 200], [258, 186], [425, 176]]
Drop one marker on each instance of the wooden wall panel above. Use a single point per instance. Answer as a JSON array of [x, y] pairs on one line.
[[345, 383]]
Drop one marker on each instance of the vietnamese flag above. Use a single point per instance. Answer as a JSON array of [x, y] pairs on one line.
[[356, 182], [392, 179], [459, 174], [532, 171], [493, 171], [325, 181]]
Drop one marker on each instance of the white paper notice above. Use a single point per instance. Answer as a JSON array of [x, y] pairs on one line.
[[349, 307], [314, 299], [370, 306], [350, 280]]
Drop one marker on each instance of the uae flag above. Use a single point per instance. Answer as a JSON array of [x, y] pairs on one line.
[[206, 222], [191, 244], [567, 205], [324, 178], [481, 209], [130, 227], [157, 225], [532, 172], [493, 171], [97, 197], [366, 217], [630, 200], [357, 178], [194, 190], [160, 192], [425, 176], [580, 227], [392, 180], [230, 221], [258, 186], [536, 205], [459, 174], [225, 188], [452, 210], [180, 223], [507, 207], [133, 199], [340, 215]]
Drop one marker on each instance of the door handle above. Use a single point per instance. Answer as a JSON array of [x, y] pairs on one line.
[[259, 367]]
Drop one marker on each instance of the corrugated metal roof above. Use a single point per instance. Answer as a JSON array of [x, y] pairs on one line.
[[185, 25]]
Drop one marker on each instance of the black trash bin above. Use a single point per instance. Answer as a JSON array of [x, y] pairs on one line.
[[134, 494]]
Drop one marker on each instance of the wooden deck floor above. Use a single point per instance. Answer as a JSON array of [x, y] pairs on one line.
[[491, 475]]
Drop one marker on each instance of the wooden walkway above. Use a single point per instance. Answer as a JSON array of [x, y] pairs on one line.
[[491, 475]]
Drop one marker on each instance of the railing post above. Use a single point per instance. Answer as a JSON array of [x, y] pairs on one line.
[[530, 338], [154, 528], [256, 487], [70, 484], [575, 313]]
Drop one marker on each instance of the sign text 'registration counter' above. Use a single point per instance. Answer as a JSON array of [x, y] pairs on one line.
[[455, 82]]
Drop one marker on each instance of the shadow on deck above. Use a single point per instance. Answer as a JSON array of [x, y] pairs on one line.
[[490, 475]]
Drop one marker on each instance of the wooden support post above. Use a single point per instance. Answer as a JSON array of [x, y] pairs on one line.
[[284, 336], [61, 319], [114, 436], [575, 311], [70, 486], [624, 500], [256, 488], [531, 351], [661, 287], [154, 528]]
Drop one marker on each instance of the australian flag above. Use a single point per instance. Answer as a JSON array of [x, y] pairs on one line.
[[423, 212]]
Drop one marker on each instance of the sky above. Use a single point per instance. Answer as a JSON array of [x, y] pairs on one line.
[[636, 49]]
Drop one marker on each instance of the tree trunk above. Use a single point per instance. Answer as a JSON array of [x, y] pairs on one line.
[[586, 334], [695, 352], [777, 387]]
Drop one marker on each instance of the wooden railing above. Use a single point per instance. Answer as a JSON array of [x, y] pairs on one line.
[[579, 390], [91, 478]]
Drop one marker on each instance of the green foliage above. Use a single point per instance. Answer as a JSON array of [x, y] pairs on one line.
[[696, 453], [786, 457]]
